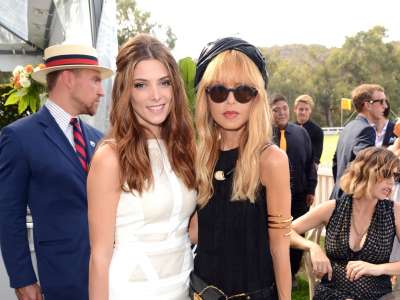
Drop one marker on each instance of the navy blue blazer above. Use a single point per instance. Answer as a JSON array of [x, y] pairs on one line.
[[357, 135], [39, 168], [389, 137]]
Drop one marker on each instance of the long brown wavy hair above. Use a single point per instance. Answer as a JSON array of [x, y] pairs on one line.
[[227, 67], [131, 137], [370, 166]]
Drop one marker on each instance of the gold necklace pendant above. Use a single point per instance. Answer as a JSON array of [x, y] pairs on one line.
[[219, 175], [357, 232]]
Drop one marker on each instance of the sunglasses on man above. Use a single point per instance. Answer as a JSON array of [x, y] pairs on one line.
[[219, 93], [381, 101]]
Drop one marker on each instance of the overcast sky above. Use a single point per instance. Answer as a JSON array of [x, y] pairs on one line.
[[271, 22]]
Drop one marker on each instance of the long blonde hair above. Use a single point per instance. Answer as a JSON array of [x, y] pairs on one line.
[[232, 66]]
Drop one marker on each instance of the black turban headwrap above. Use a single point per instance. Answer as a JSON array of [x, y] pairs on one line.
[[230, 43]]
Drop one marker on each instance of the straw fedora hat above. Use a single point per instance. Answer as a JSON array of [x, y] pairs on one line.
[[67, 56]]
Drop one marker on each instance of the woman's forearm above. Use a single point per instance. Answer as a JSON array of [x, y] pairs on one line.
[[299, 242], [392, 268], [98, 278], [193, 229], [281, 262]]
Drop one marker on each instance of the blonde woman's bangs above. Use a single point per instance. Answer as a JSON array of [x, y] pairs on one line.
[[231, 68]]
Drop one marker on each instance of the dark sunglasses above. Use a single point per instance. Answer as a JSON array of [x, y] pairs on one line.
[[396, 176], [242, 93], [387, 175], [381, 101]]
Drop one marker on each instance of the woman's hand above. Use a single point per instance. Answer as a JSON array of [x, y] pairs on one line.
[[320, 262], [395, 148], [356, 269]]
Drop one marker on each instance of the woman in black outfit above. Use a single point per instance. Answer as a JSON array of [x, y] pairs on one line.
[[360, 229], [243, 217]]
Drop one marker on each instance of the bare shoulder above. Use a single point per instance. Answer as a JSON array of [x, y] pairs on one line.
[[396, 209], [273, 158], [105, 158], [104, 171]]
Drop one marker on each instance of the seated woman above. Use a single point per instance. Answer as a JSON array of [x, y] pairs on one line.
[[360, 229]]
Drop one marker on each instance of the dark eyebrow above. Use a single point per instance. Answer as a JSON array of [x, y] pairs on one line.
[[145, 80]]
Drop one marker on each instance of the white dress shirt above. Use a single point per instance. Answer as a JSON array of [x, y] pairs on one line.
[[380, 136], [62, 118]]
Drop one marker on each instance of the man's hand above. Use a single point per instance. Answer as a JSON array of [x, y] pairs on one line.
[[30, 292], [309, 200]]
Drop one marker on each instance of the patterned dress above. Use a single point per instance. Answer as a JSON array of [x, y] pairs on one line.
[[376, 250]]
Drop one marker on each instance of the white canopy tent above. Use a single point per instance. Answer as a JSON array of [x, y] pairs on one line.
[[29, 26]]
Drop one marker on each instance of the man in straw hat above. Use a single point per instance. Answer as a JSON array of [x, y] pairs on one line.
[[44, 160]]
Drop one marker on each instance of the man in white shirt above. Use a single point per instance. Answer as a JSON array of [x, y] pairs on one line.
[[44, 161]]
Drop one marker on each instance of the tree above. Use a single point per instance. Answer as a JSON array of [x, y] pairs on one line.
[[131, 21], [366, 58], [329, 74], [292, 73]]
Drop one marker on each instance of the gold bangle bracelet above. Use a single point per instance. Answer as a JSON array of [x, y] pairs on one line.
[[274, 226], [280, 218], [280, 222], [276, 216]]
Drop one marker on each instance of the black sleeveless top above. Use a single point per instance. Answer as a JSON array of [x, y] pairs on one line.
[[376, 250], [233, 251]]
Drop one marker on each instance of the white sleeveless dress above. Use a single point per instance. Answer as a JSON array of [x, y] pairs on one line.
[[152, 257]]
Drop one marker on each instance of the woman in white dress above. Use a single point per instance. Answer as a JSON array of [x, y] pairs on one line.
[[141, 182]]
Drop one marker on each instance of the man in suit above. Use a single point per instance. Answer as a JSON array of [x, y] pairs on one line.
[[43, 165], [385, 136], [389, 137], [370, 102], [296, 142]]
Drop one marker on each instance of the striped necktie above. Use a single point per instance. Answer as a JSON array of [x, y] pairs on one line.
[[282, 143], [80, 145]]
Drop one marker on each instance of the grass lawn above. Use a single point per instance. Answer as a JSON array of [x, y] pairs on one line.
[[301, 293], [329, 148]]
